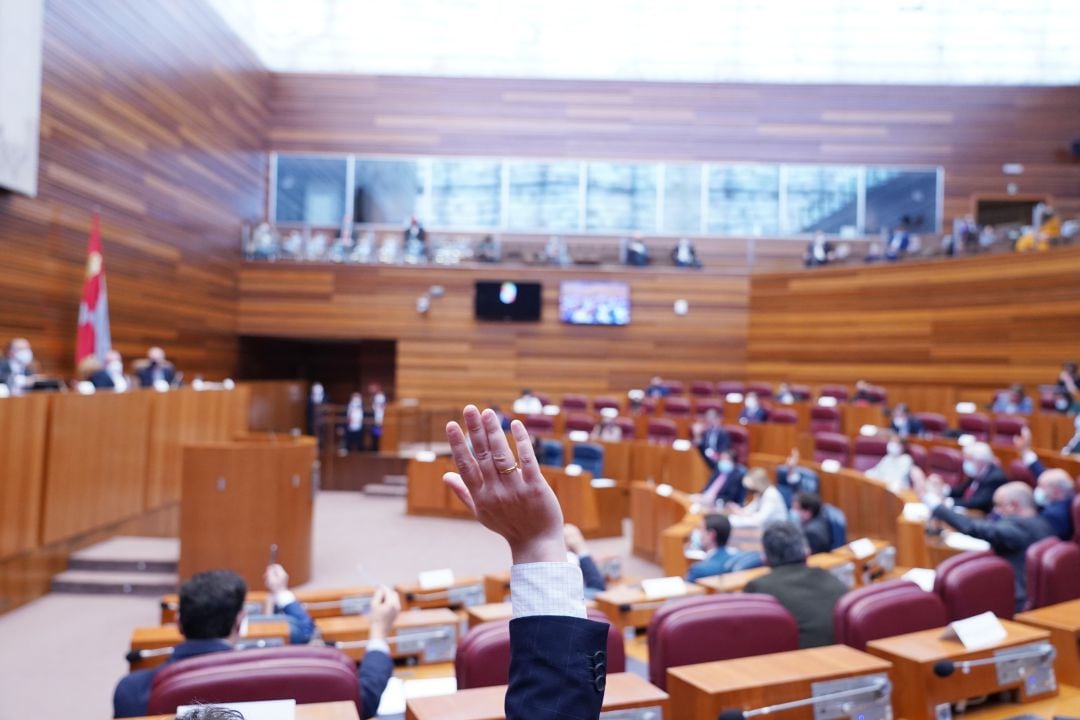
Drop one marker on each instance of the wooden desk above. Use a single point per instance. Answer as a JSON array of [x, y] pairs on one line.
[[23, 422], [1062, 621], [488, 612], [629, 607], [652, 513], [497, 587], [435, 630], [700, 692], [625, 691], [463, 593], [882, 561], [913, 656], [737, 581], [167, 636], [344, 710], [1065, 704]]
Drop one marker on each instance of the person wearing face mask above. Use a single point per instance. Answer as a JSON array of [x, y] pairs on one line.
[[903, 424], [111, 377], [712, 438], [792, 478], [316, 398], [354, 423], [374, 414], [1054, 494], [17, 367], [1068, 387], [726, 486], [155, 369], [752, 411], [711, 535], [982, 476], [767, 507], [1072, 447], [1016, 525], [894, 469]]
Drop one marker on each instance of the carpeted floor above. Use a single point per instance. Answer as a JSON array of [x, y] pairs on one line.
[[62, 655]]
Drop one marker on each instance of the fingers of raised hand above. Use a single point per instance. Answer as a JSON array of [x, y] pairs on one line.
[[501, 457], [530, 468], [478, 436], [463, 457], [461, 490]]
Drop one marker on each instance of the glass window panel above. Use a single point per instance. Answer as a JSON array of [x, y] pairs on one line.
[[544, 196], [744, 199], [820, 198], [893, 195], [466, 193], [310, 190], [386, 191], [620, 197], [682, 199]]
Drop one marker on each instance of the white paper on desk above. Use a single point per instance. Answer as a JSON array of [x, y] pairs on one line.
[[923, 577], [655, 588], [436, 579], [263, 710], [862, 548], [398, 692], [976, 632], [681, 445], [916, 512], [960, 541]]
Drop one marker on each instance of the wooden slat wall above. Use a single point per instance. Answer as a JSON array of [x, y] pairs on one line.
[[971, 131], [972, 324], [156, 113], [23, 423], [447, 356]]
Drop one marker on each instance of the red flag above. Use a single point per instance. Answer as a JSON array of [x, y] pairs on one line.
[[93, 336]]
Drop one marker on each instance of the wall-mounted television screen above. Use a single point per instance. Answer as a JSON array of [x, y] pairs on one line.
[[507, 300], [594, 302]]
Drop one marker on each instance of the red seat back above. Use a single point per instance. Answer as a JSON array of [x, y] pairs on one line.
[[836, 391], [1059, 576], [1033, 566], [1017, 471], [824, 419], [677, 406], [933, 424], [1006, 427], [868, 451], [628, 427], [885, 609], [539, 425], [661, 431], [717, 627], [580, 421], [975, 424], [308, 674], [724, 387], [575, 403], [740, 442], [601, 402], [974, 582], [919, 456], [702, 388], [763, 390], [800, 392], [948, 463], [783, 416], [674, 387], [832, 446], [704, 405]]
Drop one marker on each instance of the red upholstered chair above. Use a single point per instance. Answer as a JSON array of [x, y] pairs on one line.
[[1048, 401], [628, 427], [933, 424], [539, 425], [580, 421], [1006, 427], [600, 402], [919, 456], [725, 387], [647, 406], [575, 403], [740, 442], [975, 424], [875, 395], [868, 450], [704, 405], [801, 392], [973, 582], [717, 627], [677, 406], [1033, 564], [837, 391], [885, 609], [674, 387], [308, 674], [824, 419], [1057, 578], [544, 398], [832, 446], [948, 463], [702, 388], [483, 655], [763, 390], [1017, 471], [661, 431], [783, 416]]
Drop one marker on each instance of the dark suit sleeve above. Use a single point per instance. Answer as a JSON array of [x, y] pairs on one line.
[[301, 626], [1004, 537], [594, 579], [1037, 468], [132, 694], [558, 668], [983, 497], [374, 673]]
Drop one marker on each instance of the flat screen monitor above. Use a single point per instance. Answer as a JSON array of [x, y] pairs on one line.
[[507, 301], [594, 302]]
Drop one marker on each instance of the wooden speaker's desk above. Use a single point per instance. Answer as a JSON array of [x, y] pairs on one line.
[[462, 593], [737, 581], [324, 602], [1062, 621], [169, 636], [430, 636], [701, 692], [920, 691], [625, 692], [654, 509], [628, 607], [342, 710]]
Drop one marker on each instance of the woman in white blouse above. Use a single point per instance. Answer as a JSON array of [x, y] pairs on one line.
[[894, 469], [767, 507]]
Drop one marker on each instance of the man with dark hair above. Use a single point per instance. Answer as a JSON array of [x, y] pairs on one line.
[[714, 529], [815, 525], [808, 593], [211, 614]]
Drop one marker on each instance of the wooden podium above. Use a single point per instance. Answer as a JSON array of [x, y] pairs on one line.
[[241, 497]]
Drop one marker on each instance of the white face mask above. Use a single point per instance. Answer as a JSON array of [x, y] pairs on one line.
[[1040, 497], [24, 356], [751, 404], [894, 448], [115, 367], [971, 469]]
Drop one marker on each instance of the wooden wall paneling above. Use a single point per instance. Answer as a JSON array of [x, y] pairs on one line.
[[97, 461], [23, 434], [277, 405]]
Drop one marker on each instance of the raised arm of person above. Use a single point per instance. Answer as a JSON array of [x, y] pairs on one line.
[[377, 667], [558, 659]]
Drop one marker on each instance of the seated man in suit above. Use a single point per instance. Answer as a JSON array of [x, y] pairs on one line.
[[111, 377], [17, 366], [815, 525], [1016, 527], [904, 424], [752, 411], [808, 593], [155, 368], [714, 531], [557, 655], [726, 486], [792, 478], [211, 614], [1054, 489], [712, 438], [982, 476], [578, 553]]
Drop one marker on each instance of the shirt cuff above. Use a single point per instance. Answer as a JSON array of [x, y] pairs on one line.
[[1030, 457], [549, 588], [283, 598], [378, 646]]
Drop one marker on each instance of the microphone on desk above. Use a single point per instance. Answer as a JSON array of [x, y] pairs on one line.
[[1042, 651], [877, 688]]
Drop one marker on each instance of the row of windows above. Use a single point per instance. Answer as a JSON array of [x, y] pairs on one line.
[[570, 196]]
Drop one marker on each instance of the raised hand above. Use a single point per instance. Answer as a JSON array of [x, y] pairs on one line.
[[510, 498]]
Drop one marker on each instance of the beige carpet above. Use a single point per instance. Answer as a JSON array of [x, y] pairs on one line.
[[61, 656]]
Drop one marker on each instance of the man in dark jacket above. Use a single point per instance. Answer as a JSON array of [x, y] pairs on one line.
[[982, 477], [814, 523], [1016, 527]]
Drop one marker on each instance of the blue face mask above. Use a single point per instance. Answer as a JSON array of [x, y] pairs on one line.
[[970, 468], [1040, 497], [725, 466]]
